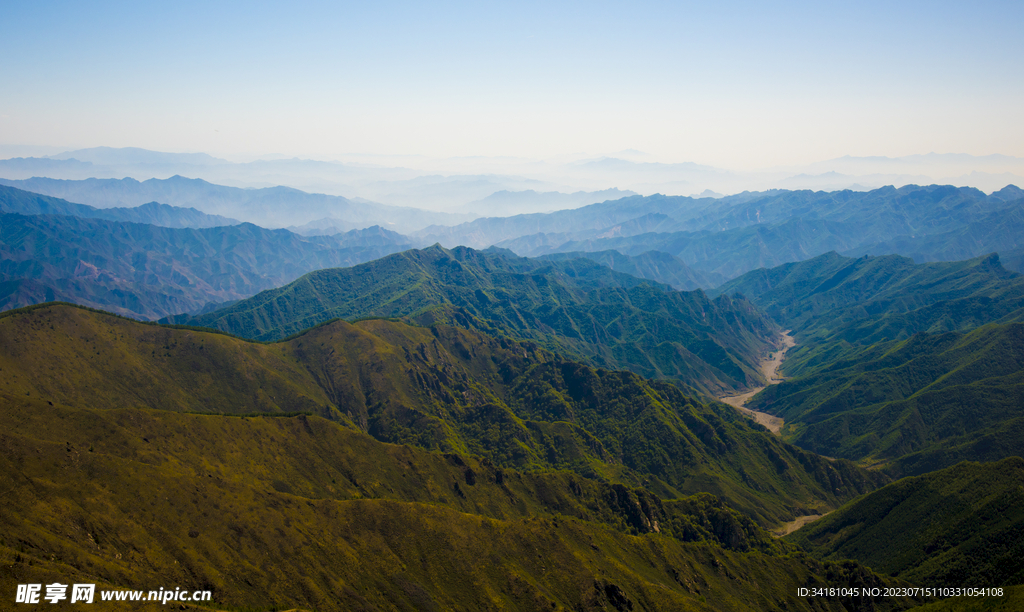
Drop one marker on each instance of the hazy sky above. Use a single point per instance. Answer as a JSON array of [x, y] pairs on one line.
[[733, 84]]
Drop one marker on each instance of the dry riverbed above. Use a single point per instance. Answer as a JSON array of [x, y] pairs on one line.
[[770, 369]]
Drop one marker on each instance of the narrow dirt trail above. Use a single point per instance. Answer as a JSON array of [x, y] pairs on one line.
[[770, 369]]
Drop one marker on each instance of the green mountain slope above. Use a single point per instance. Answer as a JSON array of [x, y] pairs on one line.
[[963, 525], [821, 295], [654, 265], [274, 513], [438, 388], [147, 271], [575, 307]]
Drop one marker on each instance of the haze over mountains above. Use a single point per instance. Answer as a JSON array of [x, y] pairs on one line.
[[154, 213], [732, 235], [454, 184]]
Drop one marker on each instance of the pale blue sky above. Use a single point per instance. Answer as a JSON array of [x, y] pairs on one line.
[[735, 84]]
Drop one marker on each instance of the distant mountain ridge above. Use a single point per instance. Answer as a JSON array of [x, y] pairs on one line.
[[149, 272], [657, 266], [14, 200], [732, 235], [135, 155], [443, 183], [267, 207], [508, 203]]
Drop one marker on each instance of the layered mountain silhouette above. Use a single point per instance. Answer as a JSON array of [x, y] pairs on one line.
[[148, 272], [348, 422], [268, 207], [732, 235], [27, 203]]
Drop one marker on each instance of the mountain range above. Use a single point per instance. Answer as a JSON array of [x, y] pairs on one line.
[[349, 422], [576, 307], [732, 235], [449, 183], [960, 525]]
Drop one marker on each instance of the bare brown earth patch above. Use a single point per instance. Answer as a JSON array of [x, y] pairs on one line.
[[797, 523]]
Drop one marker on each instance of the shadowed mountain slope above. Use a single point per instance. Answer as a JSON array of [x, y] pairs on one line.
[[961, 525], [575, 307], [148, 271]]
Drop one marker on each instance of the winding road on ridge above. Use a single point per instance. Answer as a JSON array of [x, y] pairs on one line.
[[770, 369]]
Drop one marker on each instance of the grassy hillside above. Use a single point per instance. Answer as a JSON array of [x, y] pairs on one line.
[[439, 388], [963, 525], [576, 307], [274, 513]]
